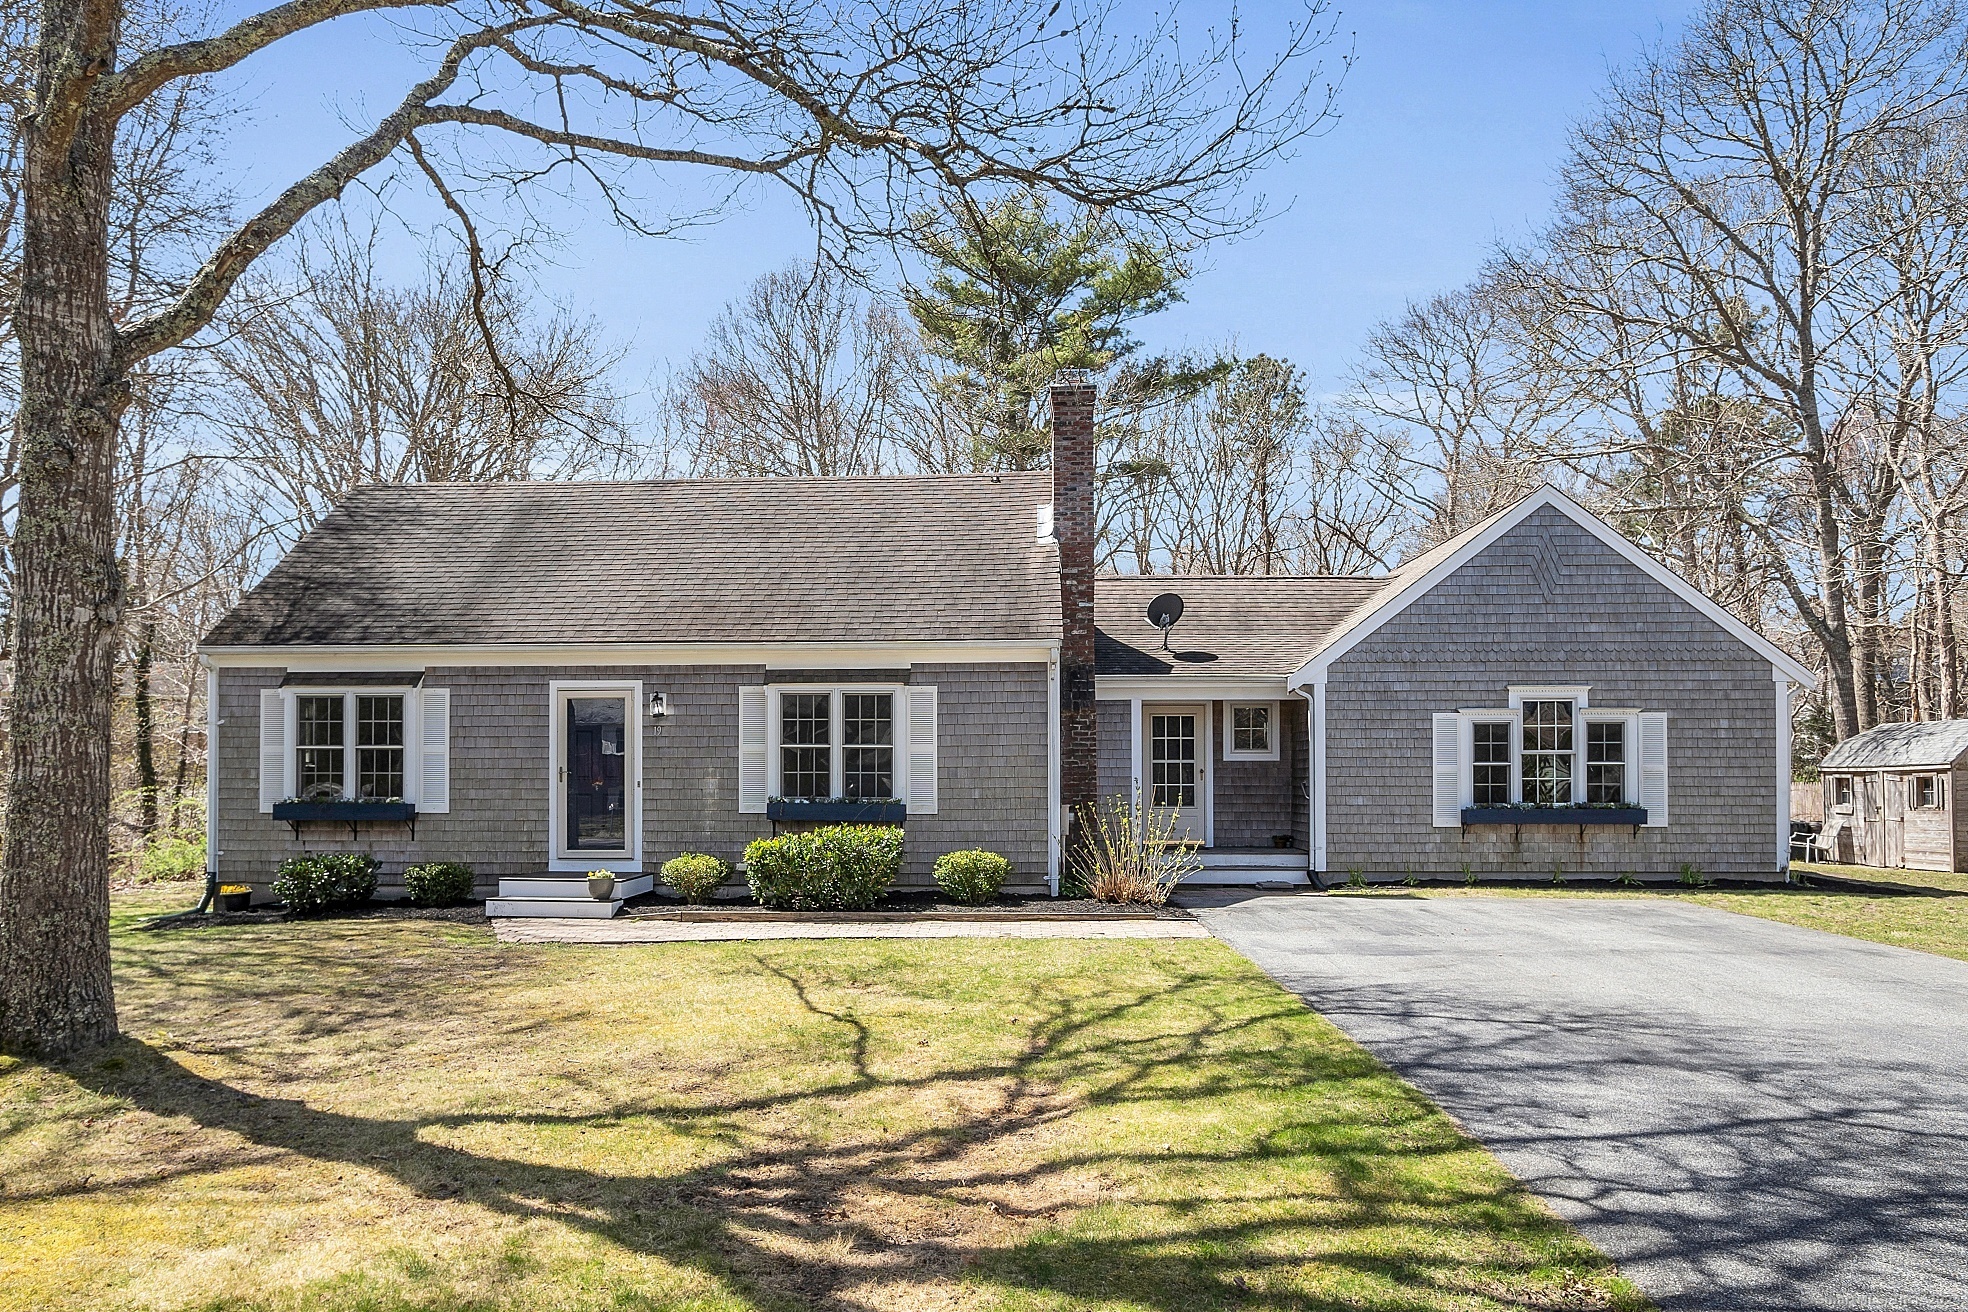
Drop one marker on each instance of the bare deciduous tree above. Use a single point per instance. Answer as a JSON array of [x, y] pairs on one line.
[[342, 380], [866, 112], [802, 375]]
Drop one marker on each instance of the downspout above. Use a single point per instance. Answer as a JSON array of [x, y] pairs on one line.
[[1314, 783], [211, 784], [1055, 811], [1783, 776]]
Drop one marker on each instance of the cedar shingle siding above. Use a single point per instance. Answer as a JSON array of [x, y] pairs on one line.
[[1582, 615], [991, 762]]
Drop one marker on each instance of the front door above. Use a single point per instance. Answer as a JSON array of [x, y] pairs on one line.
[[1176, 761], [596, 778]]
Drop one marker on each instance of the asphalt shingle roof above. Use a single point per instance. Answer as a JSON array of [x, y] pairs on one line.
[[1931, 742], [1253, 625], [951, 557]]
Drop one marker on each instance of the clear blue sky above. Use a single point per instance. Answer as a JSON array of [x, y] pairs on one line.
[[1453, 122]]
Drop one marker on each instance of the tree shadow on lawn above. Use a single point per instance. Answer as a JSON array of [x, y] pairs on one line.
[[1360, 1179]]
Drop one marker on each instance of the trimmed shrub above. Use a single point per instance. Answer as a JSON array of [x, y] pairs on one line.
[[439, 883], [694, 876], [323, 881], [973, 877], [833, 868]]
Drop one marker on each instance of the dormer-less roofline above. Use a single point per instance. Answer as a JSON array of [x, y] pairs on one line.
[[1452, 555]]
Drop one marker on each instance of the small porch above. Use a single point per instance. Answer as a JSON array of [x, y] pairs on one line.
[[1229, 770]]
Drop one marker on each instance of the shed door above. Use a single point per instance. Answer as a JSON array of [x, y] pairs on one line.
[[1892, 821]]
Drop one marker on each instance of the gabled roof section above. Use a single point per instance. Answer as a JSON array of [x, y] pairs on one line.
[[1248, 625], [735, 560], [1890, 746], [1415, 578]]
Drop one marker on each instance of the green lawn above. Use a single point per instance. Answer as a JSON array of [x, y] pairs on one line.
[[406, 1115], [1932, 919]]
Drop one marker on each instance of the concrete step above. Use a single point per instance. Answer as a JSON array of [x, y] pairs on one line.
[[1276, 859], [561, 908], [571, 886]]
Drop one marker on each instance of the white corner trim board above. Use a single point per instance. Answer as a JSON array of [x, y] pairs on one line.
[[1314, 670]]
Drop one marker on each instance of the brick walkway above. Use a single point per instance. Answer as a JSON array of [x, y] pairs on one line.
[[529, 929]]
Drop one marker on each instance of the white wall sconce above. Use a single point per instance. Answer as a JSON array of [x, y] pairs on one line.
[[659, 704]]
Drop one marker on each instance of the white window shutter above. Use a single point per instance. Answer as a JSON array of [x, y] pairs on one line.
[[752, 702], [922, 751], [273, 747], [1448, 771], [1653, 767], [434, 753]]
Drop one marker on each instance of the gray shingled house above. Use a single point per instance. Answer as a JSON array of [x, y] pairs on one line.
[[1889, 797], [547, 678]]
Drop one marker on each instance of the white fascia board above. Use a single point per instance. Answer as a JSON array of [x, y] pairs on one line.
[[1187, 687], [1314, 670], [790, 656]]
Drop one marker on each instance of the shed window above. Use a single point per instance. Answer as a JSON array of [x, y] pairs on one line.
[[1841, 790], [1930, 792]]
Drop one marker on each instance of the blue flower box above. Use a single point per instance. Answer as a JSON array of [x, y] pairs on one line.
[[1554, 815], [347, 813], [837, 813]]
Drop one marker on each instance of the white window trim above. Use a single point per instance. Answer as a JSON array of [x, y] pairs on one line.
[[559, 857], [412, 732], [1583, 713], [1230, 752], [836, 757]]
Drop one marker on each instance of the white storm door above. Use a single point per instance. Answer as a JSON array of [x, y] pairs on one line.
[[1176, 761], [597, 784]]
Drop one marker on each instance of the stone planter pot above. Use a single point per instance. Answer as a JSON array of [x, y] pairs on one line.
[[235, 901], [601, 887]]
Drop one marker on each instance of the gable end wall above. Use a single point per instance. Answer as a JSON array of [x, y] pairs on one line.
[[1548, 603]]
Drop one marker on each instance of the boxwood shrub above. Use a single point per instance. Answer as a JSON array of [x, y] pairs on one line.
[[439, 883], [974, 877], [322, 881], [694, 876], [833, 868]]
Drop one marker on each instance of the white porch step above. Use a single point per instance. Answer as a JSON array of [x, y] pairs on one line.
[[562, 896], [565, 886], [1252, 866], [563, 908]]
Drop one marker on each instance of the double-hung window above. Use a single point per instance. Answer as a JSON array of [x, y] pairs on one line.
[[1605, 762], [837, 742], [1489, 762], [348, 744], [1549, 748]]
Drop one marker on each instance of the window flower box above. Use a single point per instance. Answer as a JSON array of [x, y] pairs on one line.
[[836, 811], [1554, 815], [352, 814]]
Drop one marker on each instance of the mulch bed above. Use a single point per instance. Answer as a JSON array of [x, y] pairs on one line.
[[907, 905], [472, 913]]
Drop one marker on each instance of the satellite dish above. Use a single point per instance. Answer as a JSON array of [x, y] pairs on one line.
[[1163, 612]]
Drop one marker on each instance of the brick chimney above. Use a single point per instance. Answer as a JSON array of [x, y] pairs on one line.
[[1071, 399]]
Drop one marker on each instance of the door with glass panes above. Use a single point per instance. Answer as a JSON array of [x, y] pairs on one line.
[[1175, 760], [595, 784]]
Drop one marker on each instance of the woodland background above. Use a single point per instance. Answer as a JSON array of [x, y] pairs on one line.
[[1742, 335]]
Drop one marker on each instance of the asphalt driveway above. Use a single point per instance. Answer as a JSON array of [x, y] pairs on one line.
[[1743, 1114]]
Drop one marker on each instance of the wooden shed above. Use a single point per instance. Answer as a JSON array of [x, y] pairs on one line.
[[1889, 797]]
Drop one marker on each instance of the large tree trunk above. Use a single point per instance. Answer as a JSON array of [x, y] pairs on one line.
[[55, 995]]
